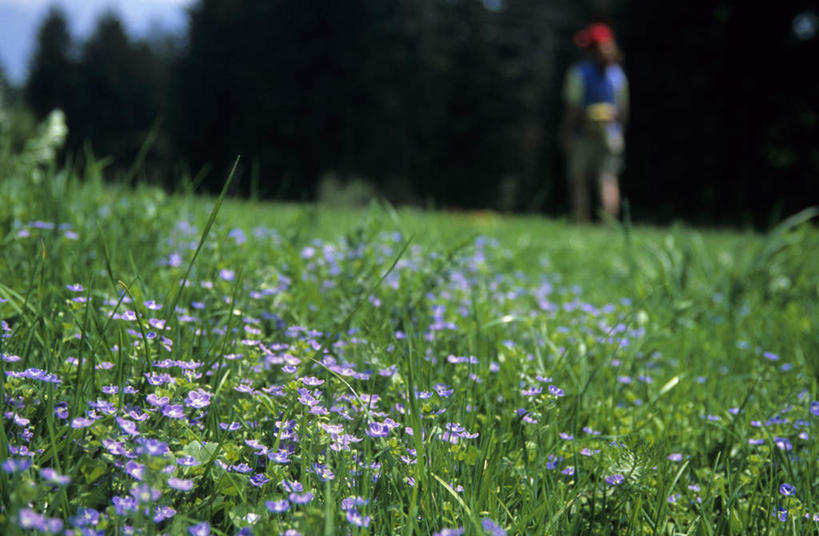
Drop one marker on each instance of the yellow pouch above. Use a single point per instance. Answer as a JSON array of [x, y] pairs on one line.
[[601, 111]]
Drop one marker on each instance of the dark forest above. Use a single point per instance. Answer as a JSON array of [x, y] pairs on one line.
[[446, 103]]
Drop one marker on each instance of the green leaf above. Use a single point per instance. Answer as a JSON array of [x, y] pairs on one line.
[[92, 470], [203, 452]]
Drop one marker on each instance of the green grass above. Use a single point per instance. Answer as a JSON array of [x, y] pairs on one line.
[[667, 351]]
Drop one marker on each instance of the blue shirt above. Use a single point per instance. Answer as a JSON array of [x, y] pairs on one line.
[[586, 84]]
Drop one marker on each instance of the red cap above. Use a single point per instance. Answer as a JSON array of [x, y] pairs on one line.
[[596, 34]]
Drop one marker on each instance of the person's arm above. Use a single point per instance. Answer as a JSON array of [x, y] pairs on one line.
[[572, 109], [623, 103], [572, 116]]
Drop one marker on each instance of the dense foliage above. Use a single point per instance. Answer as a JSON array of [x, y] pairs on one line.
[[448, 103], [177, 365]]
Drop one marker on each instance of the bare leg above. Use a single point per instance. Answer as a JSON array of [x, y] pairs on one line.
[[580, 198], [610, 194]]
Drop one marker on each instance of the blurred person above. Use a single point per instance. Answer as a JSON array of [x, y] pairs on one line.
[[595, 97]]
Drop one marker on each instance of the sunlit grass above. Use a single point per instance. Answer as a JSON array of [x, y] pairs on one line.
[[396, 372]]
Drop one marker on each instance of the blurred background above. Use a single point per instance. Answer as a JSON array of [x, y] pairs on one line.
[[451, 104]]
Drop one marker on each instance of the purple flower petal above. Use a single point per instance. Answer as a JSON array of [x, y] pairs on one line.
[[180, 484], [491, 528], [135, 470], [615, 479], [355, 518], [300, 498], [377, 429], [202, 529], [198, 399], [278, 507], [174, 411]]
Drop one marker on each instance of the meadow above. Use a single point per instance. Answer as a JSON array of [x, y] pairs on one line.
[[175, 364]]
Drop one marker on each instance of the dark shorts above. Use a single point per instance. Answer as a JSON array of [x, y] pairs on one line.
[[590, 155]]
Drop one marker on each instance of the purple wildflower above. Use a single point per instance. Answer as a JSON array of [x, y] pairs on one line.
[[61, 410], [259, 480], [310, 381], [355, 518], [241, 468], [154, 447], [187, 461], [53, 477], [128, 426], [783, 443], [158, 401], [300, 498], [86, 517], [352, 502], [281, 456], [377, 429], [143, 493], [12, 465], [491, 528], [534, 391], [202, 529], [29, 519], [114, 447], [162, 512], [81, 422], [124, 504], [787, 489], [450, 532], [180, 484], [675, 457], [278, 507], [159, 379], [135, 470], [292, 486], [230, 426], [20, 421], [444, 391], [615, 479], [556, 391], [198, 399], [174, 411], [323, 472]]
